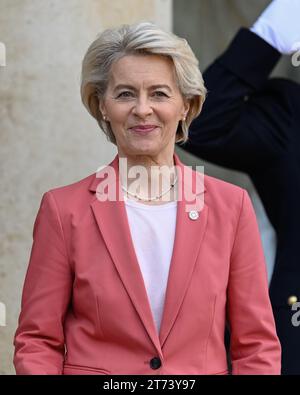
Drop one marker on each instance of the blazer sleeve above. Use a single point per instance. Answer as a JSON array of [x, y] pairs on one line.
[[254, 345], [39, 338]]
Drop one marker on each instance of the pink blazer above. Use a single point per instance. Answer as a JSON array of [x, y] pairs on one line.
[[85, 308]]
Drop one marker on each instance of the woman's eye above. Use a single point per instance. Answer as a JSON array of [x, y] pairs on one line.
[[125, 94], [161, 94]]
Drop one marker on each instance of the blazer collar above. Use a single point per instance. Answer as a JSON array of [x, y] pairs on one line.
[[189, 178], [111, 218]]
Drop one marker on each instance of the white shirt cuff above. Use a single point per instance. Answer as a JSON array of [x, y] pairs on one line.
[[279, 25]]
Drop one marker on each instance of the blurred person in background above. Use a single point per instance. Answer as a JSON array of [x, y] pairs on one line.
[[251, 123]]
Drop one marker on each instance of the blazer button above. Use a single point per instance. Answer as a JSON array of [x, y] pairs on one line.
[[155, 363], [292, 299]]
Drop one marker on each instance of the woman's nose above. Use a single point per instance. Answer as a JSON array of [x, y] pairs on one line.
[[142, 107]]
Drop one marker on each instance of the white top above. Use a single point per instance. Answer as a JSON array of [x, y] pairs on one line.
[[152, 230], [279, 25]]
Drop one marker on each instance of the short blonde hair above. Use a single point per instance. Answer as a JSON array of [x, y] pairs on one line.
[[140, 38]]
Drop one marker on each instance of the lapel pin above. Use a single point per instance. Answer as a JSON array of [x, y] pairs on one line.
[[193, 215]]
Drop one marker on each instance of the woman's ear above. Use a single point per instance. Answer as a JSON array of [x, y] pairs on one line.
[[187, 104], [102, 106]]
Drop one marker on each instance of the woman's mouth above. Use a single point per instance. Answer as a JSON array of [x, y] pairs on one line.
[[143, 129]]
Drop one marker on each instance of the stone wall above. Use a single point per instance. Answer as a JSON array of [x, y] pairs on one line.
[[47, 137]]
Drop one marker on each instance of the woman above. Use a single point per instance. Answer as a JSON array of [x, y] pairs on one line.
[[125, 281]]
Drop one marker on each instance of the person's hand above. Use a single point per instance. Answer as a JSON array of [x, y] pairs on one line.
[[279, 25]]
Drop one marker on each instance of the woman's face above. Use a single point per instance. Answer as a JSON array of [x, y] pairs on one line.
[[142, 93]]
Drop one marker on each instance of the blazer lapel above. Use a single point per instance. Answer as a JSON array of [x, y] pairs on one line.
[[189, 235], [111, 217]]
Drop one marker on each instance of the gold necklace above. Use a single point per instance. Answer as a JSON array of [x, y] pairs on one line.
[[151, 198]]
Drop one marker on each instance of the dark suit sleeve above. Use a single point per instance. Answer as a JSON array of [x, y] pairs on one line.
[[237, 127]]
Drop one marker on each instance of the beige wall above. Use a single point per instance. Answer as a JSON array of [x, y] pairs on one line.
[[47, 137]]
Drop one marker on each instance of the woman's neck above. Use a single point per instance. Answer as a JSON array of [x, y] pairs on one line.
[[148, 180]]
